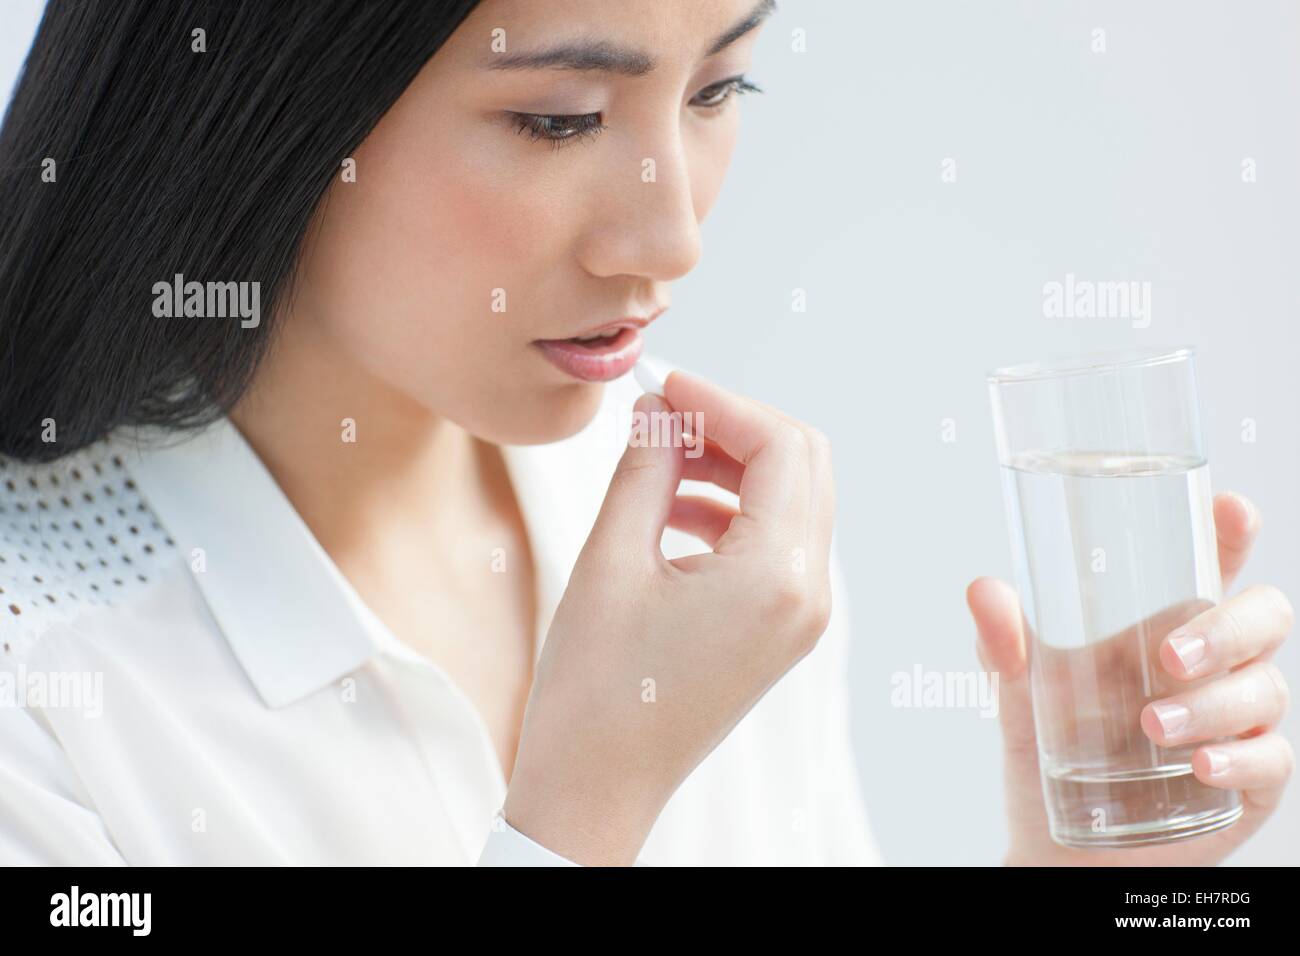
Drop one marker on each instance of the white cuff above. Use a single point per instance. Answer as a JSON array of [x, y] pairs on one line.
[[506, 846]]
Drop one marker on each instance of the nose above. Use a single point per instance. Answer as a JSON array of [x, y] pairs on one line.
[[647, 222]]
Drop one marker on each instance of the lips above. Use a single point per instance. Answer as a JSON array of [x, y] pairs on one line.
[[601, 359], [601, 353]]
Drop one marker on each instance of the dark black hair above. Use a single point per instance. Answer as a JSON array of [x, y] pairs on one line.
[[172, 161]]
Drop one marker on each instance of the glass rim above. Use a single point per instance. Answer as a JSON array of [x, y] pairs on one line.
[[1092, 363]]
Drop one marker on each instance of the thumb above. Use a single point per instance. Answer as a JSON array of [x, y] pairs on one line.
[[996, 609], [641, 493]]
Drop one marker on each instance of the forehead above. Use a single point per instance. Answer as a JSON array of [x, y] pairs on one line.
[[505, 33]]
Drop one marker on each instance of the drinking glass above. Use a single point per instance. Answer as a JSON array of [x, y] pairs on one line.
[[1107, 492]]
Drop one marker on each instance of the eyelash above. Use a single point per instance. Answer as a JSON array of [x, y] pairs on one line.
[[563, 130]]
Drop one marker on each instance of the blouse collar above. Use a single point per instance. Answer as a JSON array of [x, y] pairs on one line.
[[291, 618]]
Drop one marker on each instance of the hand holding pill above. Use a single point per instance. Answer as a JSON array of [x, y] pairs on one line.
[[710, 632]]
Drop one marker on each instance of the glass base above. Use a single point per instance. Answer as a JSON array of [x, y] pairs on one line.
[[1170, 831]]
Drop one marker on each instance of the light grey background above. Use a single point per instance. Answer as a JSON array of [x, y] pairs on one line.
[[1120, 165]]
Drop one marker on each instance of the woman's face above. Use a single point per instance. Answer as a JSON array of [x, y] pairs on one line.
[[544, 176]]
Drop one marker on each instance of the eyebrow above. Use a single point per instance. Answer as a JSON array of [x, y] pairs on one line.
[[607, 57]]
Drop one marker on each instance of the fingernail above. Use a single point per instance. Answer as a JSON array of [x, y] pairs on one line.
[[1251, 514], [1219, 762], [1190, 649], [1172, 717], [648, 402]]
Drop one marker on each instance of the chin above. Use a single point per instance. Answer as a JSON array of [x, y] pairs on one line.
[[544, 415]]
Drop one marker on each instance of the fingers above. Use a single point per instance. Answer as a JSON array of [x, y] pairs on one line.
[[715, 466], [641, 492], [1261, 765], [1245, 627], [741, 428], [775, 488], [1246, 700], [822, 510], [706, 518], [996, 609], [1236, 522]]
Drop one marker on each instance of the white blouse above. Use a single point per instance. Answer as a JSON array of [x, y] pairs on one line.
[[187, 678]]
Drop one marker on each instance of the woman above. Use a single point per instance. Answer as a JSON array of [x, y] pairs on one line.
[[315, 324]]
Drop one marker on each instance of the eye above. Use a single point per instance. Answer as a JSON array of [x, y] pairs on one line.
[[713, 96], [557, 129]]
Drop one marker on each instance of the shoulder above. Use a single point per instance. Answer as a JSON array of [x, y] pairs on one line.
[[75, 534]]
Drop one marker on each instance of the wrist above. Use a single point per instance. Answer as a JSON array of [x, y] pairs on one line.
[[591, 820]]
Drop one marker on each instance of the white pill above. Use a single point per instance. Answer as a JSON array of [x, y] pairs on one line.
[[649, 377]]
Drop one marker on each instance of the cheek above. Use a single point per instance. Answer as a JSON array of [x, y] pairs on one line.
[[710, 158], [408, 259], [399, 280], [492, 232]]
